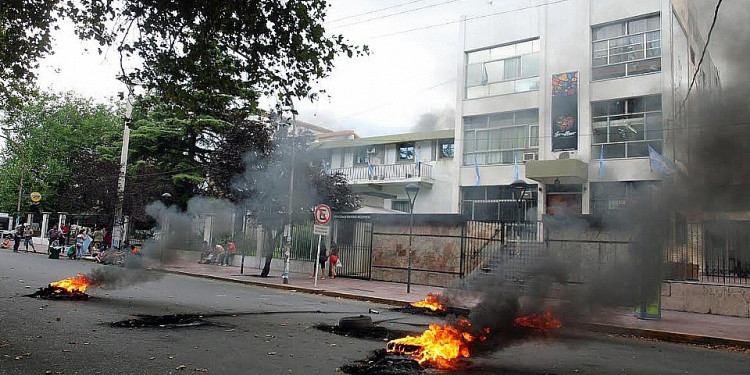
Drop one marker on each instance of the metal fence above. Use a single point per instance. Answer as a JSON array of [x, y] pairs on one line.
[[352, 234], [712, 252]]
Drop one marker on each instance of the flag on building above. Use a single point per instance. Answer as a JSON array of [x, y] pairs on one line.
[[515, 166], [660, 164], [477, 178], [370, 170], [601, 162]]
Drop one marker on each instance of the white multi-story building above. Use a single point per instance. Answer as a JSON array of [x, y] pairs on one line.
[[569, 96], [379, 168]]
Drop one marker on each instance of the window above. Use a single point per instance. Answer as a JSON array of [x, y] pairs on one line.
[[445, 149], [496, 203], [402, 206], [608, 198], [624, 128], [361, 156], [627, 48], [406, 151], [500, 138], [503, 70]]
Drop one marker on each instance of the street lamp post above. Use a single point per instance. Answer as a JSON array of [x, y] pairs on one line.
[[411, 191], [519, 188]]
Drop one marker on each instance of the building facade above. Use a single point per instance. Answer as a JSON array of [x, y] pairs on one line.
[[379, 168], [573, 97]]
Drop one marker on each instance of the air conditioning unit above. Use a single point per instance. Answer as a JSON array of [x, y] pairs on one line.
[[528, 156], [564, 155], [371, 150]]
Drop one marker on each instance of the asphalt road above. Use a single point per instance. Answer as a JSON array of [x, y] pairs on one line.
[[265, 331]]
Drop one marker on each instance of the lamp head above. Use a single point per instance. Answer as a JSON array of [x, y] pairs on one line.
[[411, 191]]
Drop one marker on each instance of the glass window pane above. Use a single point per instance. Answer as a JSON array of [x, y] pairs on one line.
[[503, 52], [654, 127], [599, 109], [602, 46], [600, 136], [635, 130], [637, 26], [617, 133], [653, 23], [469, 142], [608, 31], [653, 52], [483, 140], [534, 136], [474, 75], [535, 45], [477, 92], [501, 88], [610, 71], [530, 65], [494, 158], [493, 71], [501, 119], [475, 122], [512, 68], [645, 66], [652, 103], [406, 151], [616, 107], [656, 145], [635, 105], [528, 84], [525, 47], [494, 143], [637, 149], [530, 116], [477, 57], [652, 36], [614, 151]]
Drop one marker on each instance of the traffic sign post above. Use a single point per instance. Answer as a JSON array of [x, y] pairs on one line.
[[322, 215]]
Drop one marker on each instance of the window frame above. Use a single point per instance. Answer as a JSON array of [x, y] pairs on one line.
[[443, 142], [621, 119], [483, 155], [630, 66], [403, 145], [518, 82]]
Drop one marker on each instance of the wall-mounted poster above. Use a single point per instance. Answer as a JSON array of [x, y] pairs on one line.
[[565, 111]]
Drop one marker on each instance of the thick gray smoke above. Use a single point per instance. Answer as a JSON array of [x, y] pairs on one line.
[[576, 279], [444, 119]]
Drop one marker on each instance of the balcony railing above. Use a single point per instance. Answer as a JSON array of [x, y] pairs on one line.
[[386, 172]]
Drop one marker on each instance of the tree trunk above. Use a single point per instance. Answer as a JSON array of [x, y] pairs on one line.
[[268, 247]]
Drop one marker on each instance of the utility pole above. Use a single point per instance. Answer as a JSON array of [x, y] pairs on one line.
[[117, 232], [288, 251]]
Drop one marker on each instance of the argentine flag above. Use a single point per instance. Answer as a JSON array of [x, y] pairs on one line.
[[477, 178]]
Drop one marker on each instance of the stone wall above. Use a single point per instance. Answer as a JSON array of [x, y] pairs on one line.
[[436, 240], [733, 300]]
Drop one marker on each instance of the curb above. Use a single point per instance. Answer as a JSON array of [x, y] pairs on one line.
[[677, 337], [308, 290]]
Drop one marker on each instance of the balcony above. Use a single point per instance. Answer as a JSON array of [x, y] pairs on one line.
[[384, 174]]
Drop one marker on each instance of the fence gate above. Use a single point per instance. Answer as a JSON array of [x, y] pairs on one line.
[[353, 236]]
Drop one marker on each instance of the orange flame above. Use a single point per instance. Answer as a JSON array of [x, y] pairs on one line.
[[440, 345], [430, 302], [543, 322], [73, 284]]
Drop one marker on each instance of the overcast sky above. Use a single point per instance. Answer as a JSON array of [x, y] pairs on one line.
[[410, 77]]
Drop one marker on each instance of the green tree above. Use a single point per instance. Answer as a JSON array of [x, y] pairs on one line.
[[50, 135], [25, 38]]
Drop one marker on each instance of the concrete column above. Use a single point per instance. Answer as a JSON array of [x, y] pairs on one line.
[[45, 225], [29, 218]]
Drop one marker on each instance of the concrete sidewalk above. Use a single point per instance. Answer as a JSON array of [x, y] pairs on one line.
[[675, 326]]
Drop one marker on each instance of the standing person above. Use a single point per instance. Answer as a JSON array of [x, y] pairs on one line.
[[229, 255], [62, 235], [333, 261], [79, 245], [107, 238], [17, 234], [28, 236], [322, 260], [86, 242], [52, 235]]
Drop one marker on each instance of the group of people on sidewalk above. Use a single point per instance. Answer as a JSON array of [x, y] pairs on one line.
[[22, 232], [217, 254]]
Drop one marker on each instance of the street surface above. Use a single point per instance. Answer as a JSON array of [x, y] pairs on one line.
[[272, 332]]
